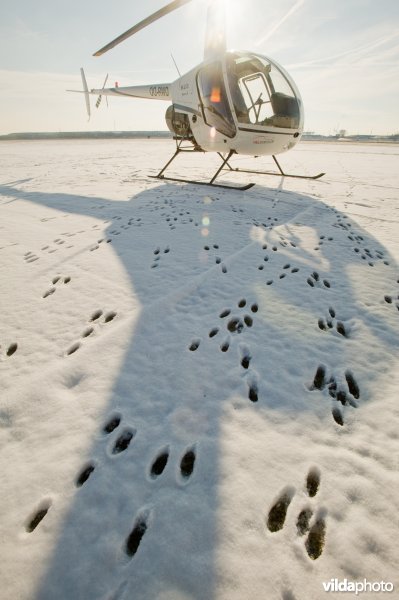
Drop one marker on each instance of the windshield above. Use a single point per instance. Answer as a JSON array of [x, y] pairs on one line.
[[214, 99], [261, 93]]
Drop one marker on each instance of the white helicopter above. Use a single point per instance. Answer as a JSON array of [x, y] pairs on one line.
[[232, 103]]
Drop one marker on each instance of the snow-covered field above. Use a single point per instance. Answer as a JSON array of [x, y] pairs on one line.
[[199, 387]]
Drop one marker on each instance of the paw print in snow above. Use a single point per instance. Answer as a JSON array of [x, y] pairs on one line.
[[234, 325], [120, 440], [157, 256], [392, 300], [331, 323], [56, 280], [108, 317], [307, 522], [315, 281], [11, 349], [346, 394]]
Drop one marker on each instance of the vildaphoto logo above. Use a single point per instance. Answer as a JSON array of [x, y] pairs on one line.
[[358, 587]]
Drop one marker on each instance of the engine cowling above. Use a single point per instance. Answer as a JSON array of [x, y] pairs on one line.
[[178, 122]]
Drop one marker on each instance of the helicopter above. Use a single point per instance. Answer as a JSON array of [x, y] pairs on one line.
[[233, 103]]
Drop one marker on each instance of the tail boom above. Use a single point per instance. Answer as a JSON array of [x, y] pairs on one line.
[[152, 92]]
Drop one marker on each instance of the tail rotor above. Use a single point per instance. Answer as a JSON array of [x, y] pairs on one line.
[[100, 97]]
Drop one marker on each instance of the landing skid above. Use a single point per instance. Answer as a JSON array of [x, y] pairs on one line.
[[225, 166], [280, 174], [196, 182]]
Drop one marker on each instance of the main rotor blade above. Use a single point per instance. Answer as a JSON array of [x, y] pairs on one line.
[[154, 17]]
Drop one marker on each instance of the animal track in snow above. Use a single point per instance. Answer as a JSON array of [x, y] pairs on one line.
[[313, 482], [287, 270], [278, 512], [84, 474], [135, 537], [123, 441], [331, 322], [49, 292], [120, 445], [194, 345], [303, 521], [110, 316], [88, 331], [96, 315], [316, 530], [315, 281], [157, 256], [72, 349], [174, 218], [159, 464], [218, 259], [29, 257], [56, 280], [253, 392], [234, 325], [107, 318], [237, 324], [37, 517], [112, 424], [187, 463], [346, 394], [322, 241], [389, 299], [246, 356], [50, 249], [316, 538], [209, 249], [366, 254], [345, 226], [11, 350]]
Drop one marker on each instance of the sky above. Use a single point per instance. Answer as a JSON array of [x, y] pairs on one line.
[[342, 54]]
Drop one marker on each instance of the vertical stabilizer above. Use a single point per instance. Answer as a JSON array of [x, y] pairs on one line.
[[86, 91], [215, 40]]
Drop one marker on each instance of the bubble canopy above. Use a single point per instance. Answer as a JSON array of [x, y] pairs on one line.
[[246, 89]]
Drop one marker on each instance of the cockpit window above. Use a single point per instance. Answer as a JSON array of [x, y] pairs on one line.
[[260, 92], [214, 99]]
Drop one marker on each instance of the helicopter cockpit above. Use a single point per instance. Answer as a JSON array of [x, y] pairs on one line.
[[261, 94]]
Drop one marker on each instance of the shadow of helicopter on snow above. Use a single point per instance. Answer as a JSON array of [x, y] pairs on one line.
[[223, 306]]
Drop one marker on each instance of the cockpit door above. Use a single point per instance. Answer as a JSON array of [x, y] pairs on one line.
[[257, 97], [214, 100]]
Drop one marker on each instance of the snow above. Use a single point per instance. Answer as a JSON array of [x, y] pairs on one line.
[[309, 272]]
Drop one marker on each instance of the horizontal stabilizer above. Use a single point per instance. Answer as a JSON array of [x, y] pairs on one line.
[[86, 92]]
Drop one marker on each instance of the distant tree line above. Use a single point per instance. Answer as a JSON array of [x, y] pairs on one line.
[[73, 135]]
